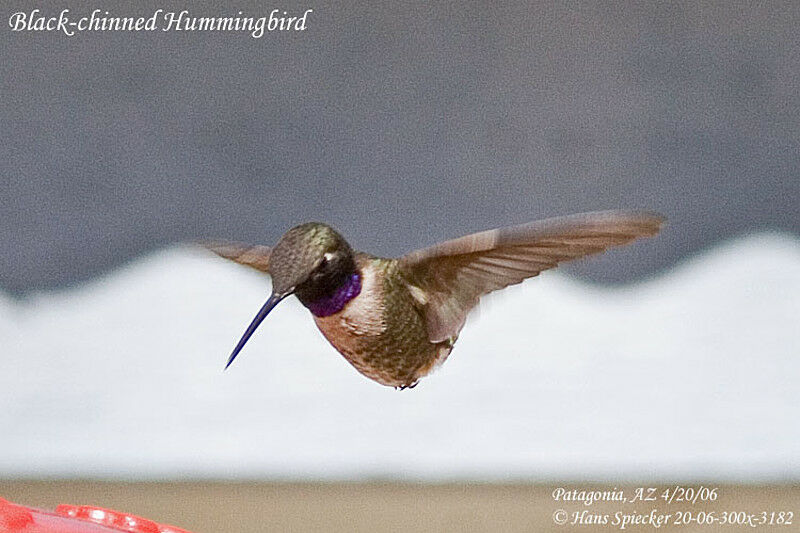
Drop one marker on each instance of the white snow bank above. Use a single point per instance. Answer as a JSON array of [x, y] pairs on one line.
[[691, 375]]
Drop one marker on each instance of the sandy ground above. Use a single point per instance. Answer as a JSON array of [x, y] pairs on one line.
[[258, 507]]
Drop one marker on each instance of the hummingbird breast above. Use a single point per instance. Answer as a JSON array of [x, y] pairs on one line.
[[382, 332]]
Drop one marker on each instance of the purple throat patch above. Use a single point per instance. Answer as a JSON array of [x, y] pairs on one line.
[[336, 301]]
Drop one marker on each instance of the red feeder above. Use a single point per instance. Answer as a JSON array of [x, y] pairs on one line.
[[75, 519]]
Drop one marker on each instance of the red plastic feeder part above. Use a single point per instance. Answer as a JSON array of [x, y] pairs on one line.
[[75, 519]]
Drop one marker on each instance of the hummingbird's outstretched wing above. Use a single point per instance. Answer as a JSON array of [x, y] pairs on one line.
[[451, 276], [252, 255]]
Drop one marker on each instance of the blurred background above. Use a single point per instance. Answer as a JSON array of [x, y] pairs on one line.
[[401, 124]]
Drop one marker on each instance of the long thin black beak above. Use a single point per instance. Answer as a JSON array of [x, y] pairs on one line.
[[262, 314]]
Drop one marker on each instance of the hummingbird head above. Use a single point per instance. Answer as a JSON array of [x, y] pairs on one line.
[[313, 262], [310, 260]]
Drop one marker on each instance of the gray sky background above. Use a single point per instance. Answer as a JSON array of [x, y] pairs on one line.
[[400, 123]]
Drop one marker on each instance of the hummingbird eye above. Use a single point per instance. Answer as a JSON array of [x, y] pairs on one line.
[[325, 260]]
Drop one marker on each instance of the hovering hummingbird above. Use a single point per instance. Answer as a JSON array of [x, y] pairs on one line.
[[395, 320]]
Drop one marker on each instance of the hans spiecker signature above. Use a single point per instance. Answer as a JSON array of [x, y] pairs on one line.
[[160, 20], [657, 508]]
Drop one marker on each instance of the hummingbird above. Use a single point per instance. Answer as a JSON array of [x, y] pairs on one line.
[[396, 319]]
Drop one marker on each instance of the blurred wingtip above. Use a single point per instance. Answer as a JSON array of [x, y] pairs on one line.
[[647, 222], [253, 255], [214, 245]]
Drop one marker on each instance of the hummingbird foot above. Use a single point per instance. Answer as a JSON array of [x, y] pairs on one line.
[[404, 387]]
